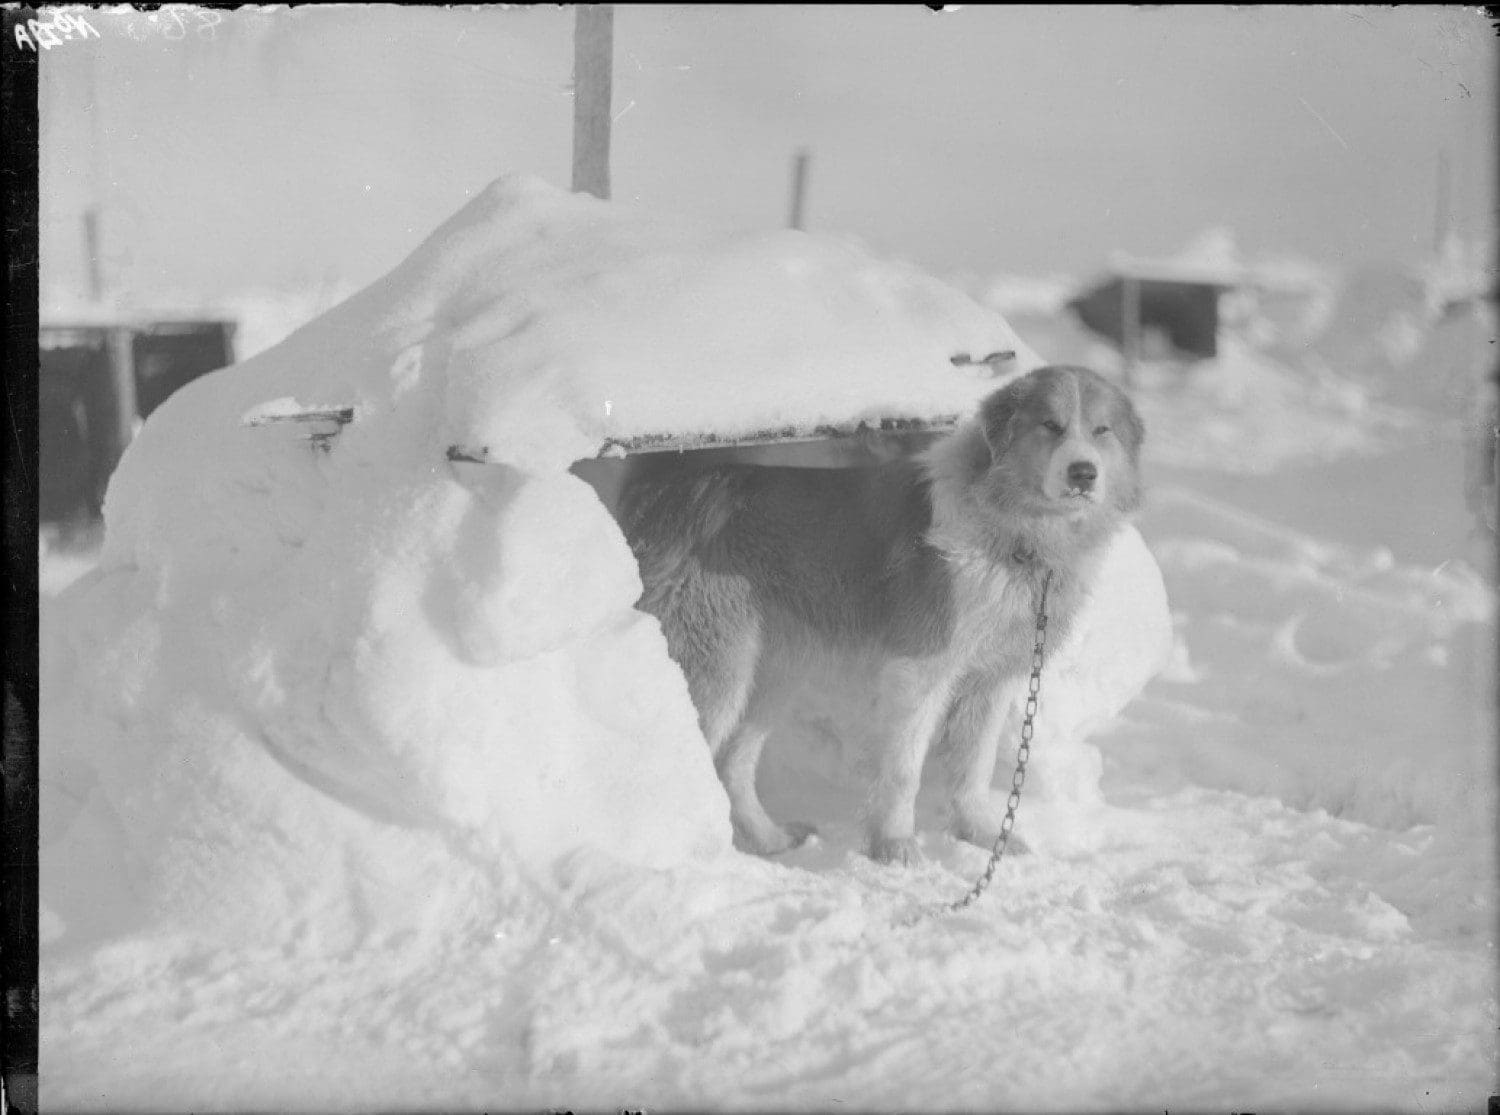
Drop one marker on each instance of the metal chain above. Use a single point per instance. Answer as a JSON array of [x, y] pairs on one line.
[[1018, 779]]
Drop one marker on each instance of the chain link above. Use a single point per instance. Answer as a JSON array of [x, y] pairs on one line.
[[1023, 754]]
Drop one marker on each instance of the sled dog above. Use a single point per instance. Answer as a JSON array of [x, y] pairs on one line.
[[920, 577]]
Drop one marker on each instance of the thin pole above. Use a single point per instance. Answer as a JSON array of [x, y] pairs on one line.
[[1440, 222], [92, 251], [1131, 326], [93, 213], [593, 49], [799, 186]]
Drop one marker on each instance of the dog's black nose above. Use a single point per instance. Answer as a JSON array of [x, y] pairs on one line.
[[1082, 474]]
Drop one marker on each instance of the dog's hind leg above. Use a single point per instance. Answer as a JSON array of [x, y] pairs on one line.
[[721, 691], [737, 762], [713, 632], [736, 741]]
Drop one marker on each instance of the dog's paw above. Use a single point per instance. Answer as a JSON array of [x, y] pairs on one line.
[[982, 836], [800, 833], [895, 849], [1016, 846], [772, 840]]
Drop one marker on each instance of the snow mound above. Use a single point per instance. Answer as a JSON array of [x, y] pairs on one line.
[[555, 322], [321, 664]]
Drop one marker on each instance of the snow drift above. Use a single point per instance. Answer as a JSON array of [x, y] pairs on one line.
[[365, 787], [293, 652]]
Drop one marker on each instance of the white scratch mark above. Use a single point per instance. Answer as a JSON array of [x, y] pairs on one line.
[[1325, 124], [622, 112]]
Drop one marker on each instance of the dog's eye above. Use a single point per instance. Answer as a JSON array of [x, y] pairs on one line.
[[1054, 427], [1100, 430]]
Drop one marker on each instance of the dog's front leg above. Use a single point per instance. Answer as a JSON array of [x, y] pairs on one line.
[[912, 705], [981, 711]]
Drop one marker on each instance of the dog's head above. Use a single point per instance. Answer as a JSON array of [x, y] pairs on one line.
[[1064, 441]]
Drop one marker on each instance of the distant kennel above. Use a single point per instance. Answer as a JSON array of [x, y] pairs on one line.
[[1151, 316], [98, 379]]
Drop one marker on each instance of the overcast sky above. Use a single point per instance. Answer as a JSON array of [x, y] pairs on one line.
[[289, 148]]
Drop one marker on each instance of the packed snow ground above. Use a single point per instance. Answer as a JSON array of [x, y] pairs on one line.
[[278, 876]]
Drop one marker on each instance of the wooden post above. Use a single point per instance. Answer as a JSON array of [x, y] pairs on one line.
[[122, 367], [1130, 325], [593, 49], [799, 187], [116, 425]]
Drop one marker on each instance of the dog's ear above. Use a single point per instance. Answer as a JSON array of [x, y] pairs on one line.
[[1129, 428], [997, 418]]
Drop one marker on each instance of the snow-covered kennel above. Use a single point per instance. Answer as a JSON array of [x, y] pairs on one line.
[[449, 645]]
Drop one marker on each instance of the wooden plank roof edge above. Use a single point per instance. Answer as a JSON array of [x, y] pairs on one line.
[[677, 443], [341, 415], [662, 442]]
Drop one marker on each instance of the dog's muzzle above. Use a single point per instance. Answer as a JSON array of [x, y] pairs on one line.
[[1082, 475]]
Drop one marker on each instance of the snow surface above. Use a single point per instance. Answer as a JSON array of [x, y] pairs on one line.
[[364, 785]]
